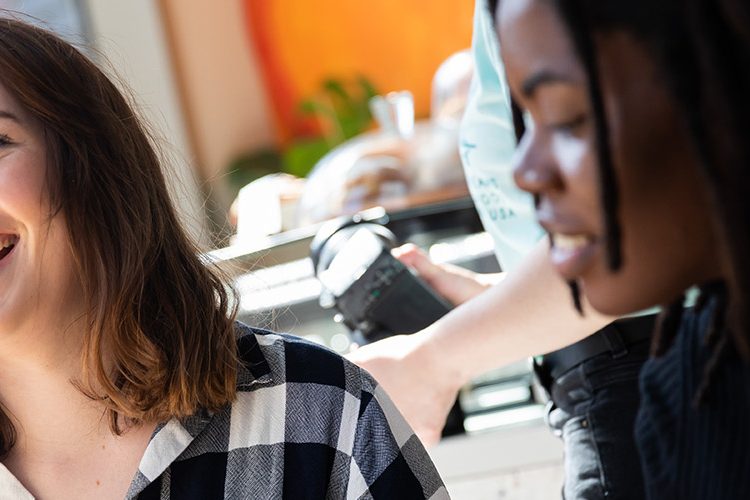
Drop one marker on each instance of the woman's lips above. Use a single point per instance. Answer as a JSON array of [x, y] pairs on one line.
[[573, 243], [571, 254], [7, 243]]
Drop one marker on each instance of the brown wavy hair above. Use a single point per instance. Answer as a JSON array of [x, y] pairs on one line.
[[161, 318]]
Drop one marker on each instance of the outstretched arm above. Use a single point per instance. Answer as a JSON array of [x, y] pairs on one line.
[[529, 312]]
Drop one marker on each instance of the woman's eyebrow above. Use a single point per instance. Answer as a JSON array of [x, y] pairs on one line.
[[7, 115], [542, 77]]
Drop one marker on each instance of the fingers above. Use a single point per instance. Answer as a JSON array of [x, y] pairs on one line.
[[416, 258], [410, 254]]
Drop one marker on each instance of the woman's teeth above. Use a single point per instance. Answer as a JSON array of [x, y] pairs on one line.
[[572, 254], [570, 241], [7, 242]]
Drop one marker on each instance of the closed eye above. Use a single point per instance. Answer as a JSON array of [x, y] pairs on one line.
[[571, 126]]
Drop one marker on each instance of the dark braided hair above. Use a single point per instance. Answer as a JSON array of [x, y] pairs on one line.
[[702, 48], [717, 339], [582, 39], [608, 189], [667, 325]]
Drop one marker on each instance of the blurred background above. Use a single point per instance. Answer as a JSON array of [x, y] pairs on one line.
[[277, 115], [243, 88]]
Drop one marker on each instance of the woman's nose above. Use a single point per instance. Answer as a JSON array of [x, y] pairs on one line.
[[533, 170]]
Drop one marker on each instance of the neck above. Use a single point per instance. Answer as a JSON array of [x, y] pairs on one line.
[[38, 366], [64, 445]]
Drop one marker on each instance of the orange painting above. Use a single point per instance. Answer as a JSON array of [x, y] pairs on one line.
[[396, 44]]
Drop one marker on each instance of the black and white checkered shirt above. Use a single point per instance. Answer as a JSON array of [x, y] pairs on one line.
[[306, 424]]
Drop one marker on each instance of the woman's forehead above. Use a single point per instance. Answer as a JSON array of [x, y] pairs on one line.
[[533, 38], [11, 109], [8, 103]]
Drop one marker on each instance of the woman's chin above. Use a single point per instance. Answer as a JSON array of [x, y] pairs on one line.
[[612, 301]]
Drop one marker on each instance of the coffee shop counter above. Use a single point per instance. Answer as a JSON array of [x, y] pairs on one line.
[[506, 460]]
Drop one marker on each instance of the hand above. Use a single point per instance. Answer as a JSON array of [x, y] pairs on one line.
[[454, 283], [416, 377]]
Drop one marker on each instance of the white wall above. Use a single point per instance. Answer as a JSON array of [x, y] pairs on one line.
[[130, 34]]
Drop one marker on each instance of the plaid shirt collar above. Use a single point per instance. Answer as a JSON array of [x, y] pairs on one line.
[[306, 424], [172, 438]]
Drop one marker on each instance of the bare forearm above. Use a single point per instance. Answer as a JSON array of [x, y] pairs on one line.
[[530, 312]]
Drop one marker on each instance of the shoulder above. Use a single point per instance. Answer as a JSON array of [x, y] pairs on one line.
[[305, 423], [317, 393], [269, 358], [330, 413]]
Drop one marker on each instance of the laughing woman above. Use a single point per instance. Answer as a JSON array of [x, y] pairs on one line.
[[122, 370], [636, 153]]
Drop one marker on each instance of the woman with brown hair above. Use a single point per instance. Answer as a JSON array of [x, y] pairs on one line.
[[122, 370]]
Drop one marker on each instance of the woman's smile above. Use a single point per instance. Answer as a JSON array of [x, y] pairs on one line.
[[574, 244], [38, 281], [573, 250], [8, 243], [572, 254]]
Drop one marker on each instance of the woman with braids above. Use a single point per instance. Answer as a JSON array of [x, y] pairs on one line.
[[590, 364], [122, 370], [635, 152]]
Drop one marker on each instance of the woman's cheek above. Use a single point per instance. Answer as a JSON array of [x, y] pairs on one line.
[[577, 165]]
